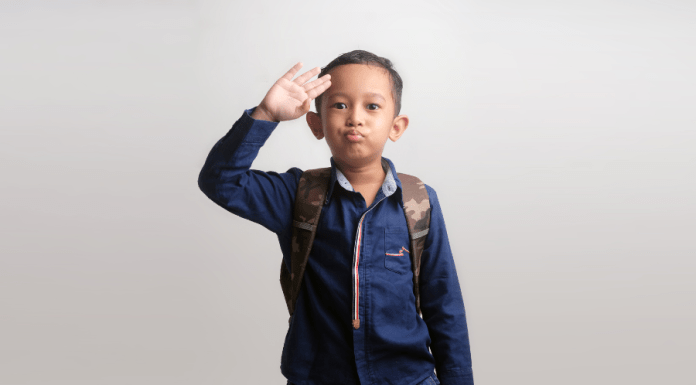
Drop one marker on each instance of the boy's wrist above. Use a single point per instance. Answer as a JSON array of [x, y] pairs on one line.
[[253, 131], [261, 114]]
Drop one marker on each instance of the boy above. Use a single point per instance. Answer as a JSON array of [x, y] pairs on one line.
[[355, 319]]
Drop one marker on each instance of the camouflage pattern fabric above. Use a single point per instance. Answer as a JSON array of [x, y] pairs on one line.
[[417, 210], [311, 193]]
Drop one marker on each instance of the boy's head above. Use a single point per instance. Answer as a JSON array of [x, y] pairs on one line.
[[363, 57], [360, 110]]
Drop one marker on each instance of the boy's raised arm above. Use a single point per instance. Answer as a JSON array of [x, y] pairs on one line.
[[227, 178]]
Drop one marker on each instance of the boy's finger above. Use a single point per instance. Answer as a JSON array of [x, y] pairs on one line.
[[290, 74], [318, 90], [307, 75], [317, 82]]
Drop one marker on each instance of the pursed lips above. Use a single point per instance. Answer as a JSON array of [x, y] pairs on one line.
[[354, 136]]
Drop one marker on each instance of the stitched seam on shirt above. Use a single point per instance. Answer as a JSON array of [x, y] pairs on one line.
[[356, 275]]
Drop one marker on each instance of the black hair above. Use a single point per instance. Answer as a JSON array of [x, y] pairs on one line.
[[363, 57]]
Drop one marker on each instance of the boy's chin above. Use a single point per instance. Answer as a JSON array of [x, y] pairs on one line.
[[356, 161]]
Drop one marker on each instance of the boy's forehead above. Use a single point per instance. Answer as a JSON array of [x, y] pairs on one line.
[[360, 78]]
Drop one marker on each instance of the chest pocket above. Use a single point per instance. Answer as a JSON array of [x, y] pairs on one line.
[[397, 257]]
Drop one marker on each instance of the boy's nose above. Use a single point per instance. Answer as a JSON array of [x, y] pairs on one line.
[[355, 118]]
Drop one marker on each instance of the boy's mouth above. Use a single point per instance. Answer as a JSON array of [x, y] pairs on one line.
[[354, 136]]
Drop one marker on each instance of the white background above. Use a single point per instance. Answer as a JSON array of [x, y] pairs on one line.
[[559, 135]]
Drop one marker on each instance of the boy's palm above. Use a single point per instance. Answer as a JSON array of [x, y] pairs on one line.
[[289, 99]]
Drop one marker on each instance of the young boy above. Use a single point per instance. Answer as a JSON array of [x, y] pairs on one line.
[[355, 319]]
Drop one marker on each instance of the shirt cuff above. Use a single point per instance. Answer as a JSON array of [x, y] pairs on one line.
[[259, 130]]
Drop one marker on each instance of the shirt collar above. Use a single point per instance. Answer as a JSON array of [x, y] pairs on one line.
[[390, 185]]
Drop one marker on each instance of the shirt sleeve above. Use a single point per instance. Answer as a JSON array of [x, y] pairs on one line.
[[442, 304], [227, 179]]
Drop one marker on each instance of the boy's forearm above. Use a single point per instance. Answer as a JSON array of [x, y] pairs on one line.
[[231, 157], [225, 157], [448, 330], [228, 180]]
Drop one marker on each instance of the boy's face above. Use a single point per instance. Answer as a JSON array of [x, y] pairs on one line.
[[357, 115]]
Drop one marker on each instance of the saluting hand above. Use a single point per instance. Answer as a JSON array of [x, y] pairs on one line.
[[289, 99]]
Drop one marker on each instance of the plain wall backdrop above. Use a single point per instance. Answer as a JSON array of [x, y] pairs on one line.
[[560, 136]]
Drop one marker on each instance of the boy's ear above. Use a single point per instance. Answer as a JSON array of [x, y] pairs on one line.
[[399, 125], [314, 123]]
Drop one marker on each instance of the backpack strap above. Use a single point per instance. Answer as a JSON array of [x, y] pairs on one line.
[[417, 211], [311, 193]]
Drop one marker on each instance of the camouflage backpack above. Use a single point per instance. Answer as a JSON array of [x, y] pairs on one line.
[[311, 194]]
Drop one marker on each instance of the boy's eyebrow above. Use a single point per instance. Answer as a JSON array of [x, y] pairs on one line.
[[373, 94]]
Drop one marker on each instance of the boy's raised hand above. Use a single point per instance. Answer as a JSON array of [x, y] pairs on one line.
[[289, 99]]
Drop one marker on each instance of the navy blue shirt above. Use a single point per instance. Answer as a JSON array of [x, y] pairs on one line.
[[359, 268]]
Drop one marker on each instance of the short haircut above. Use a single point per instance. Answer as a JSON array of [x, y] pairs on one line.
[[363, 57]]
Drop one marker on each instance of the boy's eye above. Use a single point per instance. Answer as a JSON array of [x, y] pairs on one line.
[[338, 106], [376, 106]]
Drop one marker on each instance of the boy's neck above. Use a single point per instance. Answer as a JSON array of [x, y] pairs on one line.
[[365, 179], [371, 173]]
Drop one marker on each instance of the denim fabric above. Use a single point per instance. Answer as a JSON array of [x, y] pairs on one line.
[[392, 344]]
